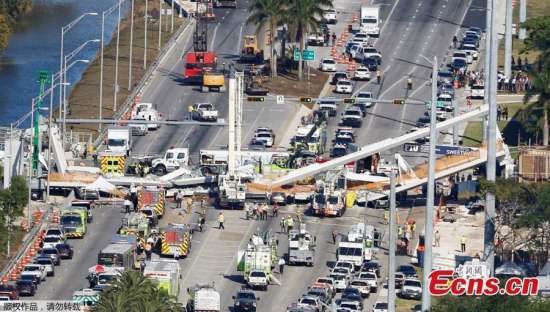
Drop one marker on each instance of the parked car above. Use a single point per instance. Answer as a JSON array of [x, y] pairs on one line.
[[26, 287], [56, 231], [364, 97], [338, 151], [278, 198], [371, 266], [361, 37], [330, 16], [267, 137], [457, 64], [65, 251], [471, 49], [412, 289], [380, 306], [245, 301], [29, 277]]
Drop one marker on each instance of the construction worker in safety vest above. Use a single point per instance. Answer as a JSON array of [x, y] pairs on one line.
[[299, 213], [191, 109], [399, 232], [410, 82], [413, 228], [386, 216], [289, 224], [378, 76]]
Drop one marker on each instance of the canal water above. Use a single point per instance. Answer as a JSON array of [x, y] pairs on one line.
[[35, 45]]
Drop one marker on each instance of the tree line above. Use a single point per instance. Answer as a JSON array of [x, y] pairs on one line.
[[13, 200], [9, 10]]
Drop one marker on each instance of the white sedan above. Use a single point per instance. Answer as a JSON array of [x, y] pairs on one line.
[[361, 73], [360, 37], [265, 137], [327, 64], [344, 86]]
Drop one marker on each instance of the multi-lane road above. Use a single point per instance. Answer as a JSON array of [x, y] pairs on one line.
[[410, 28]]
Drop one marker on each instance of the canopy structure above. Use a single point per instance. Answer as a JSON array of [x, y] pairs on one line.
[[97, 269], [102, 185], [510, 269]]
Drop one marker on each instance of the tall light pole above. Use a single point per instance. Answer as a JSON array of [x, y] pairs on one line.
[[172, 17], [116, 59], [428, 234], [105, 13], [55, 77], [160, 22], [508, 40], [393, 235], [522, 18], [131, 46], [146, 18], [68, 58], [490, 209]]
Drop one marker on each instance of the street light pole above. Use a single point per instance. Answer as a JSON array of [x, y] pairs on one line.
[[160, 22], [172, 18], [393, 234], [146, 18], [131, 46], [105, 13], [508, 40], [427, 268], [65, 29], [116, 60]]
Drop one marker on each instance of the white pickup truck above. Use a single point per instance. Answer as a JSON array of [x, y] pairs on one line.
[[205, 112]]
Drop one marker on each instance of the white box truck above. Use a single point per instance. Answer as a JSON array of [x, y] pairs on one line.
[[119, 139], [370, 20], [203, 298]]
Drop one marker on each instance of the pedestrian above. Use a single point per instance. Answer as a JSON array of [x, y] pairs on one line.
[[94, 157], [289, 224], [455, 41], [477, 256], [92, 280], [246, 212], [85, 153], [463, 243], [221, 220], [275, 210], [282, 224], [203, 206], [413, 228], [259, 212], [399, 232], [148, 248], [255, 211], [526, 62], [334, 235], [142, 265], [469, 103], [178, 198], [264, 211], [519, 63], [513, 62], [191, 109], [378, 76], [386, 216], [151, 241], [437, 238], [333, 38], [189, 204], [202, 222], [506, 113], [127, 204], [281, 265]]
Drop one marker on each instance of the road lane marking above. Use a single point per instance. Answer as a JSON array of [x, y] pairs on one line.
[[214, 37]]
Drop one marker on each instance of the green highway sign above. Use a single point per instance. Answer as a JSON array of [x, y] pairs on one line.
[[307, 55]]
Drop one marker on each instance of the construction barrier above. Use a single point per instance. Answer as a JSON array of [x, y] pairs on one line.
[[24, 225], [5, 280], [136, 100], [32, 251], [27, 259], [42, 234], [13, 275], [20, 266], [55, 217], [351, 66], [355, 20]]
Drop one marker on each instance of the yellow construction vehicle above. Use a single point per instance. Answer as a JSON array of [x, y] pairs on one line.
[[213, 80], [251, 52]]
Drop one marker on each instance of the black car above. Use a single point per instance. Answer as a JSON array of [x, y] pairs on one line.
[[371, 63], [338, 151], [30, 277], [371, 266], [65, 251], [423, 121], [445, 77], [470, 41], [407, 270], [458, 64], [53, 253], [472, 38], [339, 76], [245, 300], [344, 140], [356, 298], [350, 291], [26, 287]]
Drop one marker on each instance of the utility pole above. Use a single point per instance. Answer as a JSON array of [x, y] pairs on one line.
[[522, 18], [490, 212], [508, 40], [172, 18], [487, 62], [131, 46], [160, 23], [427, 268], [393, 238], [116, 60]]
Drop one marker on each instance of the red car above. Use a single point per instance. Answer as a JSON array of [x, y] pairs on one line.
[[10, 291]]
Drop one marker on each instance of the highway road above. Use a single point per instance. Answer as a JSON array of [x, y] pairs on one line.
[[410, 28]]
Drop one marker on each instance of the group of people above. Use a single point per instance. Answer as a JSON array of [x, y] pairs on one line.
[[502, 113], [520, 64], [287, 224], [517, 82], [407, 230], [260, 211], [141, 168]]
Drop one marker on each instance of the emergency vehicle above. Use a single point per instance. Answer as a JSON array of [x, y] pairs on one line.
[[176, 240], [152, 197], [136, 224], [166, 272], [73, 220]]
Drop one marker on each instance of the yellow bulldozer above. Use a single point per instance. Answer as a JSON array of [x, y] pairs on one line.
[[251, 52]]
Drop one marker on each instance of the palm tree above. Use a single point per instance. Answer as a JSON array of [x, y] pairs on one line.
[[304, 17], [267, 14], [540, 87], [132, 291]]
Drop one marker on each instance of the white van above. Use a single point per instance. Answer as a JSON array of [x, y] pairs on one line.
[[478, 91]]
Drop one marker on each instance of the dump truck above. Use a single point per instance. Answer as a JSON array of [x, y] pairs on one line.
[[176, 240], [257, 261], [152, 197], [136, 224], [203, 298], [166, 273], [119, 139], [251, 52], [301, 247], [73, 220]]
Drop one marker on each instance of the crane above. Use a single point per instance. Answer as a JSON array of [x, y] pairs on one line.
[[43, 78]]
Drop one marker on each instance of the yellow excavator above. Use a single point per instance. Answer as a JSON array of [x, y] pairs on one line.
[[213, 81], [251, 52]]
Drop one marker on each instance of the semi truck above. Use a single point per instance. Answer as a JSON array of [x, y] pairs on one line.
[[166, 272], [176, 240], [203, 298], [370, 20], [119, 139], [152, 197], [73, 220], [301, 247]]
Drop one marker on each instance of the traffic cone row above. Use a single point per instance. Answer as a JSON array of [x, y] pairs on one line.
[[38, 216], [24, 225], [55, 217], [351, 65]]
